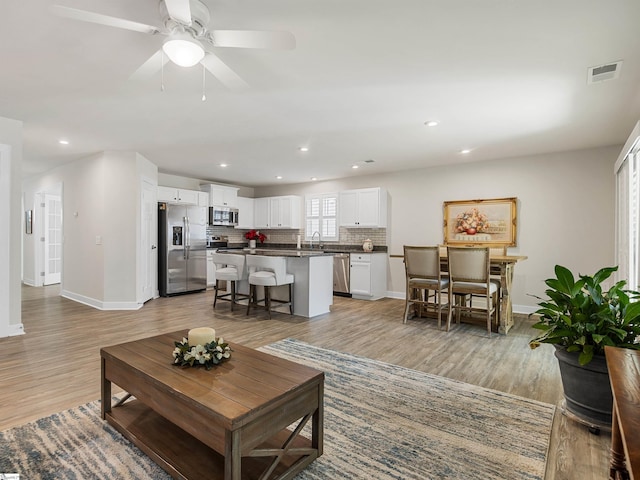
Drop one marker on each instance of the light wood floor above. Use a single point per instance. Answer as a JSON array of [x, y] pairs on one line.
[[56, 365]]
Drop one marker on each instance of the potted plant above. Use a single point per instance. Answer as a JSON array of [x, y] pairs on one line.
[[580, 319], [253, 235]]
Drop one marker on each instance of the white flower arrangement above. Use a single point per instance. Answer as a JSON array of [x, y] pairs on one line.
[[213, 353]]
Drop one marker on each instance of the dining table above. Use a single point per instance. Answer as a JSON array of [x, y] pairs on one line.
[[501, 266]]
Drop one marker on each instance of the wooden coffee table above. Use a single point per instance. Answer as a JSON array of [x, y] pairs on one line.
[[225, 423]]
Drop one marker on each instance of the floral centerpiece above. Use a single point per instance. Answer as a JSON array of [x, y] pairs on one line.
[[255, 235], [210, 354]]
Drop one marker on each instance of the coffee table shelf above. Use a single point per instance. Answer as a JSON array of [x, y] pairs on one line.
[[183, 455]]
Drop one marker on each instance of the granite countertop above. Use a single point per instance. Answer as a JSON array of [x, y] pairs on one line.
[[277, 252], [327, 248]]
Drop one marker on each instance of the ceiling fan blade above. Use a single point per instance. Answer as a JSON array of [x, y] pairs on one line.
[[222, 72], [179, 10], [92, 17], [150, 67], [253, 39]]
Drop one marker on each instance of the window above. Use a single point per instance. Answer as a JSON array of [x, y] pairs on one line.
[[321, 215], [628, 215]]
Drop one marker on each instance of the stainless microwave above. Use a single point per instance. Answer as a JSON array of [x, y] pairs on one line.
[[223, 216]]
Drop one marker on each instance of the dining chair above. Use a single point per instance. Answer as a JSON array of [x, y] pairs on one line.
[[469, 274], [423, 279], [232, 268], [268, 272]]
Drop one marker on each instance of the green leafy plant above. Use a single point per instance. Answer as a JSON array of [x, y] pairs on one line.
[[579, 316]]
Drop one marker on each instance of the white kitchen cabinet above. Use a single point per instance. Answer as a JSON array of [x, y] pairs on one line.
[[261, 212], [365, 207], [245, 213], [178, 195], [221, 196], [277, 212], [368, 279], [284, 212], [211, 268], [203, 199]]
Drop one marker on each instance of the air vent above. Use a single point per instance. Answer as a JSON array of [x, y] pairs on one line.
[[609, 71], [369, 161]]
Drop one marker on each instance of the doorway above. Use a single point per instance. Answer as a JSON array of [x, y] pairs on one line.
[[52, 239]]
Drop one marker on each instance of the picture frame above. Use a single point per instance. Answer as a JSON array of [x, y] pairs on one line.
[[490, 222], [28, 222]]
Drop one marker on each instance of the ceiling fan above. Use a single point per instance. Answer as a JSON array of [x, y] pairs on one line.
[[189, 40]]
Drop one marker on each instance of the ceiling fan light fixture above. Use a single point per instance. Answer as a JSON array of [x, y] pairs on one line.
[[183, 50]]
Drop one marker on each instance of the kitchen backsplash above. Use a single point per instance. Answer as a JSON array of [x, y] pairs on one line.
[[348, 236]]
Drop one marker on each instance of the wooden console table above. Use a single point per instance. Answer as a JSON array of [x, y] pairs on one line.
[[228, 423], [624, 373]]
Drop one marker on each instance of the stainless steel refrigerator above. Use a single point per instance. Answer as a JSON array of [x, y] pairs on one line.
[[182, 248]]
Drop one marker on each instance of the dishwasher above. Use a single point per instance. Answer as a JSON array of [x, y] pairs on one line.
[[341, 274]]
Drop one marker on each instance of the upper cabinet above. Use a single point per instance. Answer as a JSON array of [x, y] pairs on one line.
[[277, 212], [365, 207], [261, 213], [284, 212], [178, 195], [221, 196], [245, 213]]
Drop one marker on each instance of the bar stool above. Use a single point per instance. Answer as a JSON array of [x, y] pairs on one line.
[[423, 275], [469, 275], [268, 272], [232, 268]]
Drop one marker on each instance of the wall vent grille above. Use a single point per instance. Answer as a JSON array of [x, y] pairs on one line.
[[601, 73]]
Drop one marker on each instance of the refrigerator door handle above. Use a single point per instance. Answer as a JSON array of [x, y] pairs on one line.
[[186, 237]]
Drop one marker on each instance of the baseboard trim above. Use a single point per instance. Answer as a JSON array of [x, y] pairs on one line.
[[12, 330], [100, 305]]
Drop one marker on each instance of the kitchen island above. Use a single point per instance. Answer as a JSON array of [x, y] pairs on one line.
[[313, 279]]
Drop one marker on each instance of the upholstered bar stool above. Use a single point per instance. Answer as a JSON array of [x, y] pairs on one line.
[[423, 276], [469, 275], [232, 268], [268, 272]]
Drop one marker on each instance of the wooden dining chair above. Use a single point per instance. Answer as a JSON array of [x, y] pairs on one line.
[[423, 279], [469, 274]]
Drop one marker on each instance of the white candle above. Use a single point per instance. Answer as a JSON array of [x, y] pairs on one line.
[[201, 336]]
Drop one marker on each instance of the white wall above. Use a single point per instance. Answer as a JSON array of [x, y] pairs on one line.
[[11, 214], [565, 210], [101, 211]]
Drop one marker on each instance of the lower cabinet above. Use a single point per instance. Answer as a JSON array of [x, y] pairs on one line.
[[211, 269], [368, 275]]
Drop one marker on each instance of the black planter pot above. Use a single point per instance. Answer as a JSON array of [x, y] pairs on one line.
[[587, 390]]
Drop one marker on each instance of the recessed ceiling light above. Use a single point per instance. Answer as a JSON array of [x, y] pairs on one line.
[[354, 166], [304, 149], [465, 151], [63, 142], [432, 123], [223, 165], [279, 177], [313, 179]]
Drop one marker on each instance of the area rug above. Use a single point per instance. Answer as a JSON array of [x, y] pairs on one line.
[[381, 422]]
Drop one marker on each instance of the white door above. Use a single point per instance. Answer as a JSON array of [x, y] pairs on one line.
[[148, 241], [52, 238]]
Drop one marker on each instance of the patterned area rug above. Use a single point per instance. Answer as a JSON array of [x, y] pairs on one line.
[[381, 422]]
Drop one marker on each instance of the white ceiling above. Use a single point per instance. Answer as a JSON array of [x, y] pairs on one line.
[[505, 78]]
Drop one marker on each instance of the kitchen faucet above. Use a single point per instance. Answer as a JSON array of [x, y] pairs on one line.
[[312, 237]]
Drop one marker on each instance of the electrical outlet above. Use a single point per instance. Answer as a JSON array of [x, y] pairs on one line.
[[98, 240]]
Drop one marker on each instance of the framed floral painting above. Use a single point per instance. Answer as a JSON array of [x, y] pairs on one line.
[[489, 222]]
